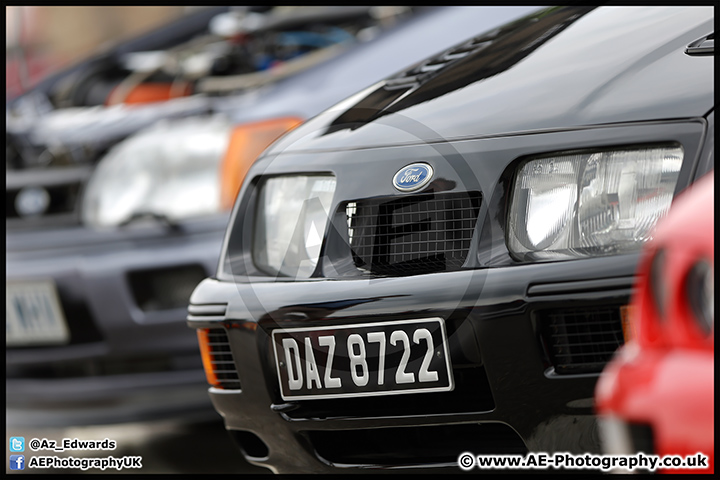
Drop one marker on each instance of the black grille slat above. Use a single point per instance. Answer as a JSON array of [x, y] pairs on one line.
[[165, 288], [581, 340], [581, 333], [412, 235], [588, 324], [222, 359]]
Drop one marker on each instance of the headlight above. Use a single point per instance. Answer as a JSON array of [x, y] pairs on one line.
[[290, 224], [171, 169], [590, 203], [178, 169]]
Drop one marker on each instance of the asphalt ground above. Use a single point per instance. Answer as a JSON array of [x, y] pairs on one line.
[[165, 447]]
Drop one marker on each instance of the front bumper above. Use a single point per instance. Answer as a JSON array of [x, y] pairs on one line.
[[130, 357], [510, 394], [659, 400]]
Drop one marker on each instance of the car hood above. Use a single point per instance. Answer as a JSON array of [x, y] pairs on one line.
[[561, 68], [310, 92]]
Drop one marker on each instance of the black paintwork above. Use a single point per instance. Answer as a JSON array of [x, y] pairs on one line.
[[568, 69], [570, 79]]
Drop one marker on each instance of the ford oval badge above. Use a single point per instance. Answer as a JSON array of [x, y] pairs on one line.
[[413, 177]]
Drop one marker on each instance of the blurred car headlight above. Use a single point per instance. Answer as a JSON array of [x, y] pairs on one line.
[[178, 169], [170, 170], [290, 224], [583, 204]]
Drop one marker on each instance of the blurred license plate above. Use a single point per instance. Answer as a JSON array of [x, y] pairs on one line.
[[367, 359], [34, 315]]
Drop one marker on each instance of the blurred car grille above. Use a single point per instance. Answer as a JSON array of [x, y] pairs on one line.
[[581, 340], [412, 235], [165, 288], [439, 444]]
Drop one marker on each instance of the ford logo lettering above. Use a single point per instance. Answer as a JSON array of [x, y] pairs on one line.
[[413, 177]]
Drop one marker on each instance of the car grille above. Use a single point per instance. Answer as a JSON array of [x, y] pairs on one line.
[[165, 288], [581, 340], [222, 359], [398, 446], [412, 235]]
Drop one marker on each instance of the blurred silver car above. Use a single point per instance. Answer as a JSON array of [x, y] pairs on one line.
[[101, 260]]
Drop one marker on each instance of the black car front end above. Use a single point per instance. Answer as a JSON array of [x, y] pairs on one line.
[[409, 326], [526, 341]]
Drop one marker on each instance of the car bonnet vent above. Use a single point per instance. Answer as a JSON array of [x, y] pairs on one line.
[[428, 68], [703, 46]]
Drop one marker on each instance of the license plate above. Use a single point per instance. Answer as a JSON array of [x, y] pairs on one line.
[[366, 359], [34, 315]]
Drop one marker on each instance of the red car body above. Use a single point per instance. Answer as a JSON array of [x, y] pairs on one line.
[[662, 381]]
